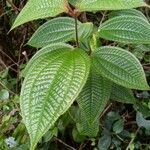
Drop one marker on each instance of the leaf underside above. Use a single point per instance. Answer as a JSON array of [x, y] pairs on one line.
[[120, 66], [50, 87]]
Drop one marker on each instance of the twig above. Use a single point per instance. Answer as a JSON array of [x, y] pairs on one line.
[[106, 109], [132, 140], [7, 88], [76, 30], [13, 6], [103, 17], [60, 141]]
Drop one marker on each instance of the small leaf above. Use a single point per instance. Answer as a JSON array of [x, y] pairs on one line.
[[94, 96], [122, 94], [105, 141], [120, 66], [118, 126], [142, 122], [126, 29], [128, 12], [4, 94], [57, 30], [37, 9], [50, 87], [96, 5]]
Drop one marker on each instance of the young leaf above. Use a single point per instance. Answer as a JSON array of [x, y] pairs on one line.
[[122, 94], [50, 87], [126, 29], [95, 5], [37, 9], [94, 96], [128, 12], [120, 66], [57, 30]]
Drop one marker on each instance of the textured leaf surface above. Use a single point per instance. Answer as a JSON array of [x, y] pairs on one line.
[[57, 30], [128, 12], [142, 122], [86, 129], [122, 94], [85, 30], [94, 96], [42, 53], [50, 88], [95, 5], [37, 9], [120, 66], [126, 29]]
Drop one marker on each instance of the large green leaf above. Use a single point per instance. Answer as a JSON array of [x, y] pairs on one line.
[[120, 66], [42, 53], [122, 94], [128, 12], [86, 129], [50, 87], [36, 9], [126, 29], [95, 5], [57, 30], [94, 96]]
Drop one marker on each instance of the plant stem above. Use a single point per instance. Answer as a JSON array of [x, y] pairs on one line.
[[132, 140], [76, 30]]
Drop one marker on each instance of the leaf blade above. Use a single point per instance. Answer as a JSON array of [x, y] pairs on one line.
[[48, 92], [94, 96], [61, 29], [120, 66], [126, 29], [96, 5], [40, 9]]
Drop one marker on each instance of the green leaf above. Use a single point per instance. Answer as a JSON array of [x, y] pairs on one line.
[[57, 30], [142, 122], [126, 29], [94, 96], [61, 29], [118, 126], [122, 94], [42, 53], [128, 12], [85, 30], [95, 5], [37, 9], [86, 129], [120, 66], [4, 94], [105, 141], [50, 87]]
